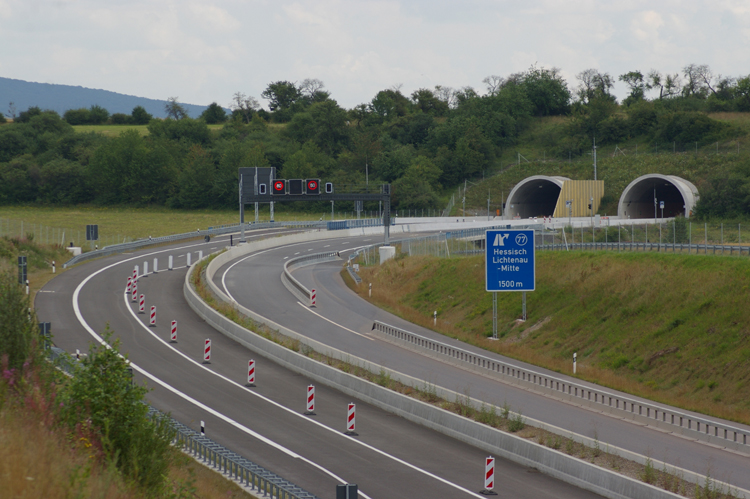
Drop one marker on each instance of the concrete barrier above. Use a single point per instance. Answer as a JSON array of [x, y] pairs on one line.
[[554, 463]]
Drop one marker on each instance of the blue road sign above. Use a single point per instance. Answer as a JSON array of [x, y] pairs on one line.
[[510, 260]]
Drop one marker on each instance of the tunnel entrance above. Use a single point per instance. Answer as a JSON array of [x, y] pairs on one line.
[[534, 197], [643, 197]]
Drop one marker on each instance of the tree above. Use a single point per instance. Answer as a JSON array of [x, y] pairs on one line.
[[16, 330], [77, 116], [668, 85], [174, 109], [196, 179], [494, 83], [214, 114], [545, 88], [594, 85], [98, 115], [140, 116], [308, 162], [425, 100], [120, 119], [244, 105], [312, 91], [283, 95], [697, 80], [637, 85]]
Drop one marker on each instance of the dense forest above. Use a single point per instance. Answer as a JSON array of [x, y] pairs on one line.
[[423, 143]]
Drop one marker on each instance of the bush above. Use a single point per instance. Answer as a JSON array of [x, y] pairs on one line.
[[16, 330], [102, 395]]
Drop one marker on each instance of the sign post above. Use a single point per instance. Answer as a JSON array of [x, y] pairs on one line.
[[510, 264]]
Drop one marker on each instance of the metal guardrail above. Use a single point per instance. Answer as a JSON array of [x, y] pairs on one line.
[[235, 466], [301, 262], [211, 231], [660, 247], [256, 477], [648, 413], [356, 224]]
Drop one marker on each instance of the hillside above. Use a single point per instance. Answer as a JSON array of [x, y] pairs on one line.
[[60, 98], [541, 151], [638, 322]]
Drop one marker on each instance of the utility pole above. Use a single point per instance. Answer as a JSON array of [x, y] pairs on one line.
[[594, 157], [464, 201], [488, 204]]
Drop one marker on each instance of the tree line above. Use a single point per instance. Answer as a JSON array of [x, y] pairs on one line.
[[422, 143]]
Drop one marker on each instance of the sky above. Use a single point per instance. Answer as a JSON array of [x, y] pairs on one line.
[[206, 51]]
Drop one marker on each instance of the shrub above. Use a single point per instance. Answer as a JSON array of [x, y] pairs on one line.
[[102, 394]]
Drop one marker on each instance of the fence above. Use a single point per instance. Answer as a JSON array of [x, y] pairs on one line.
[[225, 229], [611, 402], [45, 234]]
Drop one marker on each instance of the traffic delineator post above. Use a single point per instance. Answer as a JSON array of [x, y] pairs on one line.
[[152, 322], [313, 297], [489, 476], [350, 412], [250, 373], [207, 351], [173, 332], [310, 411]]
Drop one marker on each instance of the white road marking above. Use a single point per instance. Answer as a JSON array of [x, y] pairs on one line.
[[225, 418], [186, 397], [327, 245], [297, 253], [334, 323], [45, 291], [286, 257]]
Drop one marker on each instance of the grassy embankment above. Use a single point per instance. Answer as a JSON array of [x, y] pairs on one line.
[[40, 460], [116, 130], [617, 165], [672, 328]]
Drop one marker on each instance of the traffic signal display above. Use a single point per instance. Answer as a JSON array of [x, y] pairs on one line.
[[312, 186], [295, 186], [279, 187], [329, 188]]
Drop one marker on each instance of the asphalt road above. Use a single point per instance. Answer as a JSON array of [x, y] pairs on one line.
[[343, 320], [389, 458]]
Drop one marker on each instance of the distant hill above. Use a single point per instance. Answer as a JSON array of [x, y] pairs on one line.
[[60, 98]]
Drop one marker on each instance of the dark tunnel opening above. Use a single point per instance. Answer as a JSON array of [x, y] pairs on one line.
[[639, 202], [536, 198]]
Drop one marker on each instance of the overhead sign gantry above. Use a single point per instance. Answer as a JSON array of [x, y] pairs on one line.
[[260, 185]]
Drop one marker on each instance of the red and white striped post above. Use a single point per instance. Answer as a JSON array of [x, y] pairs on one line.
[[153, 316], [141, 304], [173, 332], [489, 475], [130, 283], [250, 373], [207, 351], [313, 297], [310, 401], [350, 419], [134, 289], [135, 272]]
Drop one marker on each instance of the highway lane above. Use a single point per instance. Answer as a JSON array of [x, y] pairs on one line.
[[390, 458], [339, 306]]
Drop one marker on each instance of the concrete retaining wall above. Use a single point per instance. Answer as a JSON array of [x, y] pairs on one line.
[[498, 443]]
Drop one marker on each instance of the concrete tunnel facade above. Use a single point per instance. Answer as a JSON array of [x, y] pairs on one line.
[[637, 200], [534, 197]]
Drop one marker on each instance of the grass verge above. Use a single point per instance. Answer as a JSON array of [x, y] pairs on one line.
[[671, 328], [502, 418]]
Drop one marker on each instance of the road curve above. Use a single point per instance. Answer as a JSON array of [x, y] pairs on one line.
[[389, 458], [342, 320]]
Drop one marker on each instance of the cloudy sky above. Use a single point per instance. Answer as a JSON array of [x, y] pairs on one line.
[[205, 51]]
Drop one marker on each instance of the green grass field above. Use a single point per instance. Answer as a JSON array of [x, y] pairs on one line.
[[672, 328], [115, 130], [118, 223]]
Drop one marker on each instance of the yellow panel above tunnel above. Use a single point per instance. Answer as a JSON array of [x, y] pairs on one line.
[[580, 192]]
